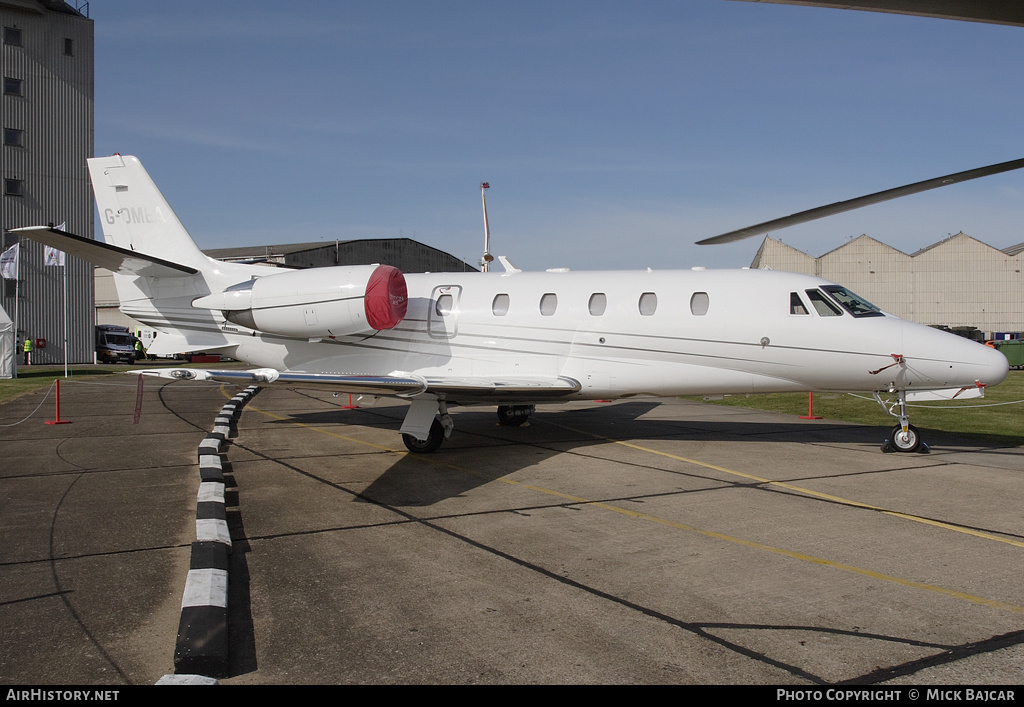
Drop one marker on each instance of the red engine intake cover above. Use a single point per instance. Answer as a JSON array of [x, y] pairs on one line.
[[387, 298]]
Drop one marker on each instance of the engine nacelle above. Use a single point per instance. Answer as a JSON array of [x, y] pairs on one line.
[[316, 303]]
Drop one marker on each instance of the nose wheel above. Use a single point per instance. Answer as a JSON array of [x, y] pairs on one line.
[[901, 440]]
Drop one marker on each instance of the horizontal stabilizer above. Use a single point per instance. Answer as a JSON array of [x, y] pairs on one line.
[[111, 257]]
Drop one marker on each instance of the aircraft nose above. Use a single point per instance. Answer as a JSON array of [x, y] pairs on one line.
[[945, 359], [984, 364]]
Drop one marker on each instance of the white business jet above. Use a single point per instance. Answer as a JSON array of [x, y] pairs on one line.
[[515, 338]]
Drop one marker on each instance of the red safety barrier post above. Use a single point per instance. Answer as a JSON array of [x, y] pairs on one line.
[[810, 409], [58, 421]]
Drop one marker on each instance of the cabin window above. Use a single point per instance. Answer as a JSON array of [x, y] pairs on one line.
[[648, 303], [822, 304], [548, 304], [796, 305], [499, 307], [598, 303], [854, 304], [699, 304], [443, 307]]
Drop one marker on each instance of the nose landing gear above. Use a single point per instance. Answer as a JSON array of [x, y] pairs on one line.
[[904, 436]]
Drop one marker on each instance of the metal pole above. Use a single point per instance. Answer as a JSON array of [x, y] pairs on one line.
[[64, 267], [17, 294], [485, 261]]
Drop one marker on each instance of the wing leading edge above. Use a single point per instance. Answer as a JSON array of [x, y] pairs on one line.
[[396, 384]]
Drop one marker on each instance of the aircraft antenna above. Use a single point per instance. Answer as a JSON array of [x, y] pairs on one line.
[[486, 260]]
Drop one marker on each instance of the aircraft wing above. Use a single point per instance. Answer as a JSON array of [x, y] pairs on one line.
[[111, 257], [480, 389], [364, 385], [399, 384]]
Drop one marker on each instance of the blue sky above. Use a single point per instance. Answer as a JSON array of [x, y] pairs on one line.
[[613, 134]]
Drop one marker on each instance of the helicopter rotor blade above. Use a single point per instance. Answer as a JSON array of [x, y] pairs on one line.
[[850, 204]]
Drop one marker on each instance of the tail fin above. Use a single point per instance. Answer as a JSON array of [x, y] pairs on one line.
[[134, 214]]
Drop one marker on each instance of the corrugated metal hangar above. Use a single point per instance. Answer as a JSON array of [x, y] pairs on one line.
[[957, 282], [403, 253]]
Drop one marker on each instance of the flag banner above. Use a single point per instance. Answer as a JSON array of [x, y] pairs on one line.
[[9, 263], [52, 256]]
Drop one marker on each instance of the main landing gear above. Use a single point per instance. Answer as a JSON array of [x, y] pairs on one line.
[[441, 426], [427, 425], [435, 437], [514, 415], [904, 436]]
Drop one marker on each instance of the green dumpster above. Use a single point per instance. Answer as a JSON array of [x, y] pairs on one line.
[[1013, 350]]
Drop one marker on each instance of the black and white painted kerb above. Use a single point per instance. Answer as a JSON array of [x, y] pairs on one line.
[[202, 645]]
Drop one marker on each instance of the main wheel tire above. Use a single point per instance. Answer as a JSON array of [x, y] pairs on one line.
[[431, 444], [908, 442], [514, 415]]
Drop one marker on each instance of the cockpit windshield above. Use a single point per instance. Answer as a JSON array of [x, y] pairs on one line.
[[854, 304]]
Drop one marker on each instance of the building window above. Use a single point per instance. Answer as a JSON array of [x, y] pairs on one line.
[[499, 307], [12, 86], [12, 36], [648, 304], [14, 137], [548, 304], [14, 187], [69, 46], [699, 304], [598, 303]]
